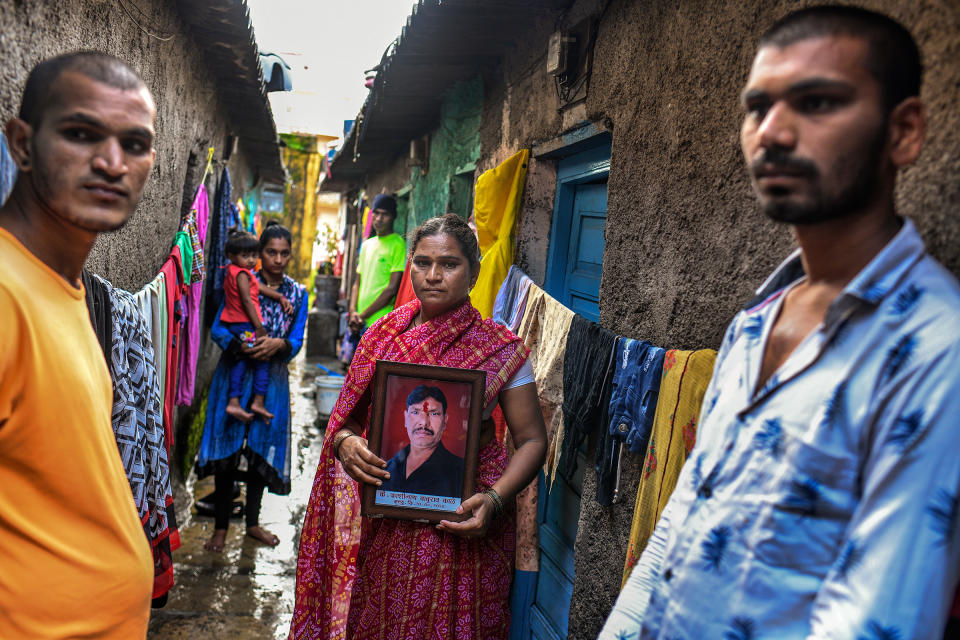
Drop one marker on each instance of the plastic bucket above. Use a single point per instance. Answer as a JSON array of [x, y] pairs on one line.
[[328, 390]]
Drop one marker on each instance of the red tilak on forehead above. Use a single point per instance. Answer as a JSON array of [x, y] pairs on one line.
[[425, 406]]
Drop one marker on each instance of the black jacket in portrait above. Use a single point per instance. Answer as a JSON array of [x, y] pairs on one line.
[[440, 475]]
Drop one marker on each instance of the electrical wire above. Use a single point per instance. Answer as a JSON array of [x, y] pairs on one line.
[[162, 38]]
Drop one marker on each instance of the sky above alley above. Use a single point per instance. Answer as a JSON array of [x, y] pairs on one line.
[[328, 44]]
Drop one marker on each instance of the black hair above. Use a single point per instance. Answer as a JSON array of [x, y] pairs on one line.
[[99, 66], [454, 226], [273, 230], [892, 54], [422, 392], [240, 241]]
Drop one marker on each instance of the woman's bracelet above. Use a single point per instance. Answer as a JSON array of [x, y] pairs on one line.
[[498, 506], [338, 439]]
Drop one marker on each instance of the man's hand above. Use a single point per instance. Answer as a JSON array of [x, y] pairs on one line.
[[481, 507], [360, 463]]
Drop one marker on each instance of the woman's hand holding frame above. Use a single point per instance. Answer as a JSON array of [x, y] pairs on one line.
[[360, 463]]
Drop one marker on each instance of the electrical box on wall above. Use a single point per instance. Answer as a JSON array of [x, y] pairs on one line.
[[570, 60], [419, 153], [558, 53]]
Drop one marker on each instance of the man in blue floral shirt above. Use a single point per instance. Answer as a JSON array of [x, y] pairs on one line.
[[820, 500]]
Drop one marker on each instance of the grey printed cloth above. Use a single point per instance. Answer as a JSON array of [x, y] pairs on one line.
[[138, 428], [823, 504]]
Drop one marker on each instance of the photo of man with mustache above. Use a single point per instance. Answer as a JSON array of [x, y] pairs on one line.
[[425, 466]]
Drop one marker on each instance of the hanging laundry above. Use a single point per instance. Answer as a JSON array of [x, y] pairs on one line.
[[366, 223], [182, 241], [607, 457], [172, 271], [8, 169], [543, 329], [98, 304], [589, 351], [511, 298], [686, 375], [636, 387], [499, 192], [195, 225], [152, 302], [405, 293], [504, 304], [137, 419]]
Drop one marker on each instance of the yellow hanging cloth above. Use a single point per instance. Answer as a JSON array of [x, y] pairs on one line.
[[496, 206], [686, 375]]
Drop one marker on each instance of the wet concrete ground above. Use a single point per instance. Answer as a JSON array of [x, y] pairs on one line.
[[246, 591]]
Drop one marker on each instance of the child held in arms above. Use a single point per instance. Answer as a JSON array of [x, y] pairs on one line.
[[241, 315]]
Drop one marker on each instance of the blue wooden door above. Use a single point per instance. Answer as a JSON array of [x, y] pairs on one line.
[[558, 514], [575, 260], [584, 263], [573, 277]]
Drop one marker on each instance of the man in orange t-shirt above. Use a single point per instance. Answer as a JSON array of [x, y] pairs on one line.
[[74, 560]]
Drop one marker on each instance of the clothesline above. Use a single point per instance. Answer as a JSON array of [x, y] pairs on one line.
[[591, 381]]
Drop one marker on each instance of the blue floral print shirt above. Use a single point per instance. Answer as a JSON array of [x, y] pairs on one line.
[[823, 505]]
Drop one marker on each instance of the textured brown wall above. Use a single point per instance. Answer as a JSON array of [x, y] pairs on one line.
[[189, 115], [189, 119], [685, 243]]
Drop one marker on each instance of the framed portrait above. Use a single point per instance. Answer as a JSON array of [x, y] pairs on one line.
[[426, 425]]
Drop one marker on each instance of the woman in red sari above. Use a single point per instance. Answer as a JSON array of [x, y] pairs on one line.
[[405, 580]]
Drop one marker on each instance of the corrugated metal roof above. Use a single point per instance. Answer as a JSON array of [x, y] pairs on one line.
[[224, 33], [443, 41]]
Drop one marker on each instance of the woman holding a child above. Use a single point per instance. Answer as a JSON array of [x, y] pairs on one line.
[[404, 579], [265, 443]]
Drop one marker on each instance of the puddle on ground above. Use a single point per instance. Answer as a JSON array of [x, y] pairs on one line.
[[246, 592]]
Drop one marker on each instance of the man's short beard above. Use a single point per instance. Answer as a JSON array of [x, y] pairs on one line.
[[44, 189], [856, 195]]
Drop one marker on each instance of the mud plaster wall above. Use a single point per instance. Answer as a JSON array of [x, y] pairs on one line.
[[453, 144], [189, 119], [536, 213], [685, 244]]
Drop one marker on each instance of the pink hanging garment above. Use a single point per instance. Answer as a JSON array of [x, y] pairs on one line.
[[196, 225]]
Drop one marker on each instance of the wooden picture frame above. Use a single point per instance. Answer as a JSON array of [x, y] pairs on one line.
[[403, 432]]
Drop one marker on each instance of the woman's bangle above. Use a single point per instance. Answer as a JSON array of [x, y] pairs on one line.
[[498, 505], [338, 439]]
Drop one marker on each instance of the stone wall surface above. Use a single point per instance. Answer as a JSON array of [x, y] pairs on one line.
[[190, 118], [685, 242], [453, 144]]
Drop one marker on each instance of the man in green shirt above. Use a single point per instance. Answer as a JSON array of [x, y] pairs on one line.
[[382, 259]]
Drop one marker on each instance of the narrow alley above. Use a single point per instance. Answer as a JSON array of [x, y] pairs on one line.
[[246, 592], [650, 311]]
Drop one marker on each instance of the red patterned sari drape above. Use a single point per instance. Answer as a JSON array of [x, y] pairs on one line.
[[403, 579]]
